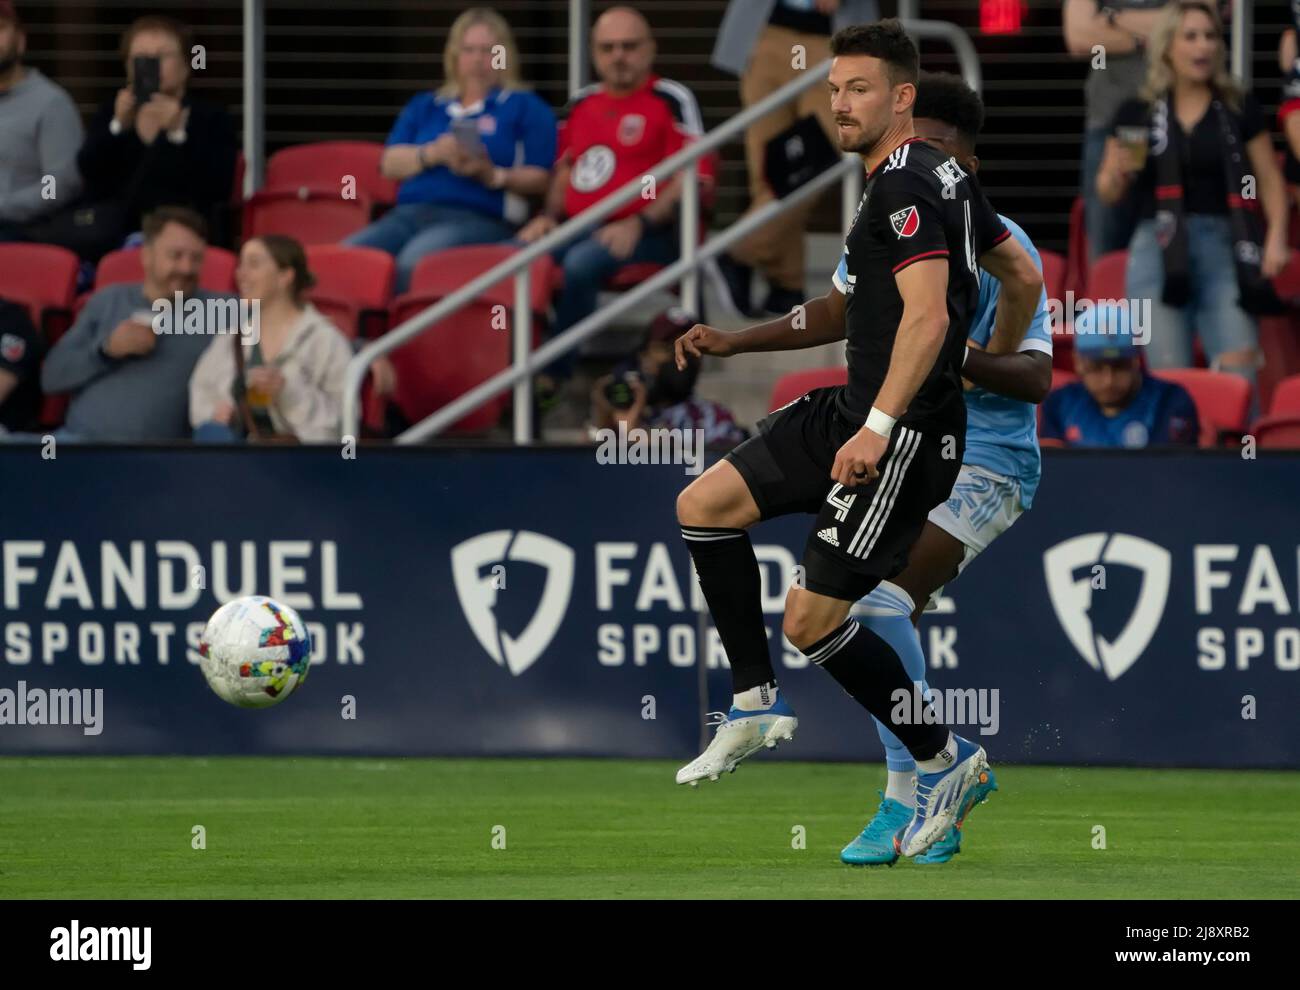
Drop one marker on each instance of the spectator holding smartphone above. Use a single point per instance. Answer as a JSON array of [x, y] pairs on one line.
[[153, 144], [1201, 254], [467, 154]]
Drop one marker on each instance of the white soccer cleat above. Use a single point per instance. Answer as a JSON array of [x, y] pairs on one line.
[[740, 734]]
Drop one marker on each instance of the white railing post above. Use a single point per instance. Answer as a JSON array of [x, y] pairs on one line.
[[690, 233], [1243, 28], [579, 18], [521, 328], [852, 194], [254, 95]]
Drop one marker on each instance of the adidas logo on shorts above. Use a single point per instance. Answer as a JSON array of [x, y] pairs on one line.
[[830, 536]]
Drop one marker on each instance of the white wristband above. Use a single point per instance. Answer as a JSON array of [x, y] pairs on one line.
[[880, 422], [964, 355]]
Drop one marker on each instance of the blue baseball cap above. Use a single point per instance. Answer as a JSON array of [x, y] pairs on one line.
[[1101, 332]]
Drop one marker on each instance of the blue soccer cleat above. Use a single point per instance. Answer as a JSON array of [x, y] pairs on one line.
[[948, 846], [740, 734], [875, 846], [944, 799]]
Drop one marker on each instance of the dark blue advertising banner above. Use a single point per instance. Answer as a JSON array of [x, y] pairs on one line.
[[540, 602]]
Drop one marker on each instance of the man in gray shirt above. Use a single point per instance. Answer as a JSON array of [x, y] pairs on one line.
[[1111, 35], [40, 134], [130, 381]]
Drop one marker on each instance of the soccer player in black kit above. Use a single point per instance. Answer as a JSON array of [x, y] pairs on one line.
[[872, 458]]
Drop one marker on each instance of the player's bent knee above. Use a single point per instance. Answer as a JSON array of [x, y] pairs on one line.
[[718, 499], [804, 623]]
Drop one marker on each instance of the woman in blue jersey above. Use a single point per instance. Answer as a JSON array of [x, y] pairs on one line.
[[466, 154]]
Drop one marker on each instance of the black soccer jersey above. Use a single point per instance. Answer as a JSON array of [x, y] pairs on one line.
[[917, 204]]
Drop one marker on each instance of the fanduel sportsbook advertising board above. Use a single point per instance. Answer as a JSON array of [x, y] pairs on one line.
[[539, 602]]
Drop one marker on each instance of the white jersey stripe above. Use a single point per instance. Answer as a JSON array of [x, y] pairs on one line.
[[905, 437], [893, 497]]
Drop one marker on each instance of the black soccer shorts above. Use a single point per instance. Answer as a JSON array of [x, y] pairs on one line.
[[863, 533]]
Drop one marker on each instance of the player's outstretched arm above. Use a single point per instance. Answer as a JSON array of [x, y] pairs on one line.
[[818, 321], [1021, 291], [1025, 375]]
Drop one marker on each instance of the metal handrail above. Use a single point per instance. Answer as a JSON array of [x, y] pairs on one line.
[[517, 265], [552, 349]]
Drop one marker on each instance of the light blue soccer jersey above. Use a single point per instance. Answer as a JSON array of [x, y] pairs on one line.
[[1002, 433]]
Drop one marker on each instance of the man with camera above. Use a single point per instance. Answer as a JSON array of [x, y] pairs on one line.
[[153, 144]]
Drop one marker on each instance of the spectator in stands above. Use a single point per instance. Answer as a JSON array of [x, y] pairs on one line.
[[1199, 253], [130, 381], [1287, 117], [649, 391], [171, 149], [292, 385], [1112, 36], [1114, 404], [40, 132], [757, 42], [616, 130], [20, 366], [467, 154]]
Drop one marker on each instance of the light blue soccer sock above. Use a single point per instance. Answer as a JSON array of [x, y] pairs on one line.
[[887, 612]]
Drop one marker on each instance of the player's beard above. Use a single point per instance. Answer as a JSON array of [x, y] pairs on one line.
[[865, 142]]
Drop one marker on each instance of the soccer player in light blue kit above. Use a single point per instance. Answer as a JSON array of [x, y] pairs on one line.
[[999, 475]]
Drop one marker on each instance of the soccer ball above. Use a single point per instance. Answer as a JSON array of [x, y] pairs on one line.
[[255, 652]]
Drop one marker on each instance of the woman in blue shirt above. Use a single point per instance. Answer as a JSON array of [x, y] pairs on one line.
[[467, 154]]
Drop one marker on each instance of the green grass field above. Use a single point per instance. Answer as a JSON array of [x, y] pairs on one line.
[[322, 828]]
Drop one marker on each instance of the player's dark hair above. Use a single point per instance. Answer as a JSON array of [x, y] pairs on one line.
[[946, 97], [885, 40]]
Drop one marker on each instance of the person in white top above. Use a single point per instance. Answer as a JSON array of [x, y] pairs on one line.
[[293, 375]]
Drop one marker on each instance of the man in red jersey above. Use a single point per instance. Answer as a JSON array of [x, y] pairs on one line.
[[614, 131]]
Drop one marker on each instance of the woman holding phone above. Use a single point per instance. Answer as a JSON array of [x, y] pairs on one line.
[[466, 154], [1201, 157]]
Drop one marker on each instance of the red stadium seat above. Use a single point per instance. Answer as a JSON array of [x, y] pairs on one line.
[[323, 164], [217, 274], [1277, 432], [1053, 274], [354, 286], [449, 358], [1061, 378], [44, 279], [1286, 397], [441, 274], [311, 215], [1222, 400], [795, 383], [1107, 278]]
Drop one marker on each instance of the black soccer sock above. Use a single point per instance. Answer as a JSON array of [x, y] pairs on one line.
[[870, 671], [724, 560]]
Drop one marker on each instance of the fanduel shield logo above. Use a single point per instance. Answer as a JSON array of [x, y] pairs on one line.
[[1069, 583], [477, 585]]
